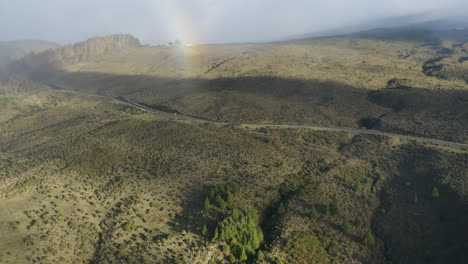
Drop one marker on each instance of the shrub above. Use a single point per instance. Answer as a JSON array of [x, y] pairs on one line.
[[313, 212], [281, 209], [232, 259], [346, 227], [128, 226], [235, 188], [305, 247], [278, 261], [204, 231], [435, 193], [368, 240]]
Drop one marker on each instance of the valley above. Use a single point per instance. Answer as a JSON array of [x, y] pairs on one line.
[[344, 149]]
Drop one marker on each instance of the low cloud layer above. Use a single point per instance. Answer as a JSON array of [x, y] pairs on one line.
[[202, 21]]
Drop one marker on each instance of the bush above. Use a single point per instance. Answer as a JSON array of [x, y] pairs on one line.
[[281, 209], [313, 212], [435, 193], [346, 227], [232, 259], [305, 247], [368, 240], [204, 231]]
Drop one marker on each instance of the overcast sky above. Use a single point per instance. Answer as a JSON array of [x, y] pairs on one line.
[[200, 21]]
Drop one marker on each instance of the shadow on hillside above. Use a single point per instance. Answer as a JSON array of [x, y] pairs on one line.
[[441, 114], [423, 229]]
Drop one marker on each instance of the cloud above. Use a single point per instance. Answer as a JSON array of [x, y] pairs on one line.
[[159, 21]]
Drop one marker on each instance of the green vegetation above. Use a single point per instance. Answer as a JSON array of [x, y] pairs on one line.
[[221, 196], [313, 212], [260, 255], [88, 179], [244, 230], [304, 247], [346, 227], [207, 203], [368, 240], [435, 193]]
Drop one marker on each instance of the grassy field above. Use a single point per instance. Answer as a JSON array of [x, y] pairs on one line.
[[85, 179]]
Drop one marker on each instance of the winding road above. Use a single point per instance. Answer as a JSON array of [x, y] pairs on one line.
[[342, 129]]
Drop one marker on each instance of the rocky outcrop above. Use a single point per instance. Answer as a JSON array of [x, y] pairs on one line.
[[50, 61]]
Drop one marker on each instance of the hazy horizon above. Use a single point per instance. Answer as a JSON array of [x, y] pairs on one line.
[[203, 21]]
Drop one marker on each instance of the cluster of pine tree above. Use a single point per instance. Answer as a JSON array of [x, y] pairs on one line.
[[220, 196], [242, 233]]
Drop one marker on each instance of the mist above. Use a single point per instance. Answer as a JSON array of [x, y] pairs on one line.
[[204, 21]]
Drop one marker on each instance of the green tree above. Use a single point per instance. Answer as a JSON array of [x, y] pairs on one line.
[[416, 200], [228, 197], [313, 212], [368, 240], [204, 231], [346, 227], [260, 255], [232, 258], [435, 193], [243, 255], [207, 203], [226, 248], [281, 209], [278, 261], [212, 193], [221, 203], [215, 237]]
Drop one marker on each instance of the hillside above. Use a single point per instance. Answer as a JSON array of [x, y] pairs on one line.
[[390, 85], [45, 63], [99, 181], [87, 176]]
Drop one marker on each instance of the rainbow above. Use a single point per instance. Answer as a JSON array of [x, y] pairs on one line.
[[181, 22]]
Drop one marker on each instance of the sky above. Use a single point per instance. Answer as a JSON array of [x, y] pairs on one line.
[[201, 21]]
